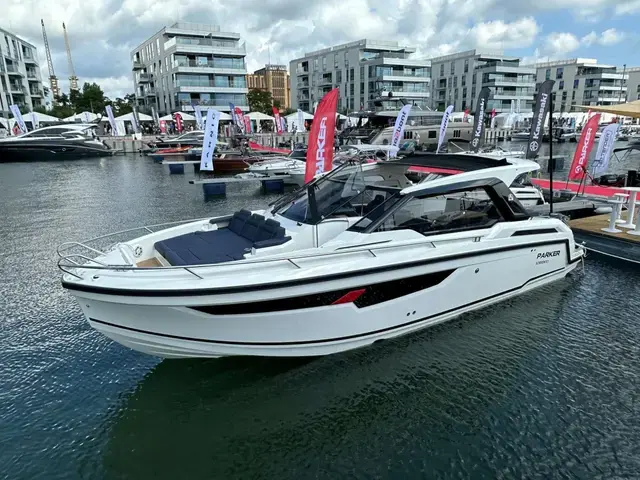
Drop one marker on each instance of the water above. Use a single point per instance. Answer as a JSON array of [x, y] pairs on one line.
[[544, 385]]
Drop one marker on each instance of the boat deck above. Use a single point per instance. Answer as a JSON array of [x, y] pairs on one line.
[[617, 245], [152, 262]]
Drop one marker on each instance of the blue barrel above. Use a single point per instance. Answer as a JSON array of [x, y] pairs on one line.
[[273, 186], [214, 189]]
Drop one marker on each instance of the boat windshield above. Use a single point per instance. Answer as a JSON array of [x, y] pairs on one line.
[[346, 191]]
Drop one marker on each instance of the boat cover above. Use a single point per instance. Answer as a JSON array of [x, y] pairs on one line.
[[245, 231]]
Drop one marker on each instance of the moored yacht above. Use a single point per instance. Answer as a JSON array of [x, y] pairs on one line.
[[57, 142], [355, 257]]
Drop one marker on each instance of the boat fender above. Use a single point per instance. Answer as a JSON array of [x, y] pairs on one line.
[[602, 210]]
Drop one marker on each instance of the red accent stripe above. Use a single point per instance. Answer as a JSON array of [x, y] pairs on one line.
[[350, 297], [590, 189], [445, 171]]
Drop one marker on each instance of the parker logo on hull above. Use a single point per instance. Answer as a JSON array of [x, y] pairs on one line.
[[555, 253]]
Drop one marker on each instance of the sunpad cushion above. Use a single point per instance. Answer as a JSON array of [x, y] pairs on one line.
[[223, 245]]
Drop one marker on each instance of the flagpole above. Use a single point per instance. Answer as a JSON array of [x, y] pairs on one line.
[[551, 162]]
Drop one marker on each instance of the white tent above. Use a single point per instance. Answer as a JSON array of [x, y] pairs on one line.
[[41, 117], [82, 117], [127, 117], [185, 117], [259, 116], [292, 121]]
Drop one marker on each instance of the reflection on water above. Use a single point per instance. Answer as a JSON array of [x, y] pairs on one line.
[[542, 384]]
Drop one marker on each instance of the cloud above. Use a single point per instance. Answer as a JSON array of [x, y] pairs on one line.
[[611, 37], [558, 44], [103, 32]]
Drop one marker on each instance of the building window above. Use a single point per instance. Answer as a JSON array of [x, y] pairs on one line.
[[324, 63], [339, 76], [362, 74], [547, 74], [335, 60], [455, 81], [561, 85], [576, 83], [442, 70], [463, 80], [559, 73], [453, 68], [466, 66], [352, 75], [315, 64], [573, 95], [346, 60]]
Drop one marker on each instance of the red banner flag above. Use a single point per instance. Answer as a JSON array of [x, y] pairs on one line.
[[320, 150], [178, 119], [581, 157], [276, 114]]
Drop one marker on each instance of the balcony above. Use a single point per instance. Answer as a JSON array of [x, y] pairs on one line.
[[223, 66], [496, 82], [303, 98], [150, 92], [13, 70], [36, 93], [29, 59], [17, 88], [137, 65], [204, 45], [32, 75], [145, 78]]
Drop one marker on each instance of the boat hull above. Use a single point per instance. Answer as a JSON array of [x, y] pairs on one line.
[[51, 152], [272, 320]]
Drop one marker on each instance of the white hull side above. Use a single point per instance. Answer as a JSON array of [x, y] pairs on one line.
[[166, 327]]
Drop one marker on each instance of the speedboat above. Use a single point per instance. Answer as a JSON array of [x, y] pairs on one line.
[[57, 142], [494, 151], [193, 138], [277, 167], [355, 257], [522, 136]]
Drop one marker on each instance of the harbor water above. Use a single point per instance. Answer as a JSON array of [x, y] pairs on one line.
[[545, 385]]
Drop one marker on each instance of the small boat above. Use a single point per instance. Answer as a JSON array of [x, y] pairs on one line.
[[522, 136], [359, 255], [58, 142], [193, 138]]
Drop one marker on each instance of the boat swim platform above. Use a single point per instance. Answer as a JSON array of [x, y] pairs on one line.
[[578, 205], [587, 231]]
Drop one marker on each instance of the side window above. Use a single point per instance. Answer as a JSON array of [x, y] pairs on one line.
[[432, 134], [472, 209], [456, 133]]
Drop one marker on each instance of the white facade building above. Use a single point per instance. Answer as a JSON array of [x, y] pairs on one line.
[[370, 75], [458, 78], [190, 64], [582, 81], [20, 79]]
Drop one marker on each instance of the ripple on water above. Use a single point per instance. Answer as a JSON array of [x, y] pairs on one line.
[[541, 385]]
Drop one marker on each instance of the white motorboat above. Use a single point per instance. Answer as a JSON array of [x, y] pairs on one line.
[[522, 136], [357, 256], [494, 151], [277, 167]]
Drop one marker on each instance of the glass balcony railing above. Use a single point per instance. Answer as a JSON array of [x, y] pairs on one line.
[[211, 63]]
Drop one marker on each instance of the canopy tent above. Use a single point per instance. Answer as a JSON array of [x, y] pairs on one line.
[[259, 116], [185, 116], [294, 116], [128, 117], [82, 117], [629, 109], [40, 117]]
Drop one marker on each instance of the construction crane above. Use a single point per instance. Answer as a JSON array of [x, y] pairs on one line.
[[53, 80], [72, 79]]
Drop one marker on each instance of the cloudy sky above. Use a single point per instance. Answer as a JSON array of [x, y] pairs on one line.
[[103, 32]]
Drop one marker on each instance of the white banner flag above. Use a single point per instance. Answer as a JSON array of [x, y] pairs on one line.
[[444, 125], [86, 117], [154, 115], [18, 117], [198, 112], [605, 148], [210, 139], [283, 124], [518, 106], [34, 121], [300, 127], [112, 121], [134, 121], [398, 129]]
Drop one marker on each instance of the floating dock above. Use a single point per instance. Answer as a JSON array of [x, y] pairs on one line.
[[622, 246], [218, 186]]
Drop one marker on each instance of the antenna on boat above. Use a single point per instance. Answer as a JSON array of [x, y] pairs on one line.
[[551, 162]]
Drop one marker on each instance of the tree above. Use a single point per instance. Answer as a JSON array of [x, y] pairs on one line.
[[260, 101], [91, 99]]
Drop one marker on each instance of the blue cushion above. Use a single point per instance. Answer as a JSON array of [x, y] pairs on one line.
[[252, 227], [238, 220]]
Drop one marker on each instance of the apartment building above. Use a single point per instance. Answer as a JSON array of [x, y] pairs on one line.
[[20, 79], [371, 75], [457, 79], [275, 80], [633, 83], [190, 64], [582, 81]]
